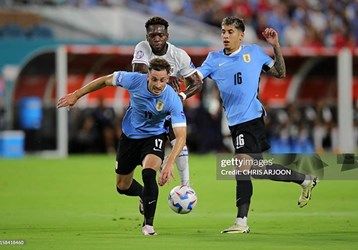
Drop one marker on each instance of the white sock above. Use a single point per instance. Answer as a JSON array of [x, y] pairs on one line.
[[241, 221], [183, 165], [306, 181]]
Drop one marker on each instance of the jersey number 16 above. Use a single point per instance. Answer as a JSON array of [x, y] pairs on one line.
[[237, 78]]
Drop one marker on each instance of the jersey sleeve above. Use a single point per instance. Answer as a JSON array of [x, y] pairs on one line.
[[206, 68], [187, 68], [267, 61], [127, 80], [141, 53], [177, 113]]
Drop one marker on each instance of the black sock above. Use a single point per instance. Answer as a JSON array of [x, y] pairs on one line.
[[150, 195], [244, 192], [277, 171], [135, 189], [294, 176]]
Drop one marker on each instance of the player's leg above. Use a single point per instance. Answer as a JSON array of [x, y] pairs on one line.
[[182, 160], [152, 155], [127, 159], [244, 144], [128, 186], [307, 182], [244, 191]]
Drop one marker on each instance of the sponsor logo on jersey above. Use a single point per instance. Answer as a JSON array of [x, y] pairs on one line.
[[246, 57], [139, 54], [159, 106]]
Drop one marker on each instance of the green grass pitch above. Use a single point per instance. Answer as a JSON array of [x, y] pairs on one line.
[[72, 204]]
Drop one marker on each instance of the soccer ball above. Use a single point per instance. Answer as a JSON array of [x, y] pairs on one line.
[[182, 199]]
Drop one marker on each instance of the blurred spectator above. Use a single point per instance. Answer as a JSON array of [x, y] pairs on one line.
[[288, 131], [86, 137], [160, 7], [294, 34], [104, 118], [313, 38], [240, 8], [278, 18], [324, 123], [209, 119]]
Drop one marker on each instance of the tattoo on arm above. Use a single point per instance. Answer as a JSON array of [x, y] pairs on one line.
[[194, 85], [279, 68]]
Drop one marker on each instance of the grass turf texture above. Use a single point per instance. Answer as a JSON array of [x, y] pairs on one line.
[[72, 204]]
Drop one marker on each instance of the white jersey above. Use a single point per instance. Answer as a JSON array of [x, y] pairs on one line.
[[179, 60]]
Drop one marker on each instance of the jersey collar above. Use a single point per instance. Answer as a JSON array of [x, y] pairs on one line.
[[236, 52]]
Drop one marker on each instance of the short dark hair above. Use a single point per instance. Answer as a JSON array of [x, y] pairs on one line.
[[156, 20], [232, 20], [159, 64]]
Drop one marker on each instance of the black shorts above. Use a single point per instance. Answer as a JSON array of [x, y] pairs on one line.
[[250, 137], [131, 152]]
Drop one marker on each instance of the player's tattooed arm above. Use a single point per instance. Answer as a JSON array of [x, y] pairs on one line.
[[193, 85], [279, 68]]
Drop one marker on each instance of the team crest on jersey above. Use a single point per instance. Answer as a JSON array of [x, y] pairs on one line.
[[159, 106], [139, 54], [246, 57]]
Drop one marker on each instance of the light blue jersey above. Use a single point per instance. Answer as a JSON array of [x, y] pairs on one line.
[[146, 114], [237, 77]]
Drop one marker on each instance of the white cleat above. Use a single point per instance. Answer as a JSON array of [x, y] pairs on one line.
[[306, 192], [148, 230], [236, 229]]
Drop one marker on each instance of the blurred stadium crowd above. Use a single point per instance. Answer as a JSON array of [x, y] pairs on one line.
[[292, 128], [308, 23]]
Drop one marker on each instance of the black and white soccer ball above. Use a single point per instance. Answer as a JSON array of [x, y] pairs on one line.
[[182, 199]]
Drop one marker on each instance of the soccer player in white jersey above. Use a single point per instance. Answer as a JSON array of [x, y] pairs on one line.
[[236, 70], [143, 139], [157, 45]]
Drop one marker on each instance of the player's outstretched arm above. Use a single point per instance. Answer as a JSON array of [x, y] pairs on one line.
[[194, 85], [70, 99], [168, 168], [279, 68]]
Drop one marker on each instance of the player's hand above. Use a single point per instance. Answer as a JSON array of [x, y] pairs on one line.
[[67, 101], [271, 36], [175, 83], [166, 173]]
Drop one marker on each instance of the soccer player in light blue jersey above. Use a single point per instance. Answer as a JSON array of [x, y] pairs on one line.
[[236, 70], [144, 135]]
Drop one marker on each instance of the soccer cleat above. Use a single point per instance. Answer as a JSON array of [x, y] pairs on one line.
[[306, 192], [148, 230], [141, 207], [236, 229]]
